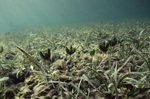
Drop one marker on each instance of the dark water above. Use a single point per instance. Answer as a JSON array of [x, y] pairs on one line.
[[22, 14]]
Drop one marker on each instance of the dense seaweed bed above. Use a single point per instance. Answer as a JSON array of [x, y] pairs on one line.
[[122, 71]]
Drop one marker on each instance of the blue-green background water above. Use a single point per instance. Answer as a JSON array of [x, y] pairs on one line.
[[22, 14]]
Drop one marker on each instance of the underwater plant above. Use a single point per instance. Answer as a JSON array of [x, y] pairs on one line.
[[122, 72], [55, 56], [92, 52], [47, 55], [145, 58], [126, 49], [104, 46], [31, 59], [113, 41], [88, 39], [1, 49], [71, 50]]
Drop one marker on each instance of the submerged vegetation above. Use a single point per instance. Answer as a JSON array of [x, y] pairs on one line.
[[71, 50], [92, 52], [1, 49], [104, 61], [104, 46], [47, 55]]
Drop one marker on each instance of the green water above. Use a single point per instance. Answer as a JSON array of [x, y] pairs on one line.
[[20, 15]]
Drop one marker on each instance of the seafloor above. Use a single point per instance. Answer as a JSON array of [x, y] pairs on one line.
[[94, 61]]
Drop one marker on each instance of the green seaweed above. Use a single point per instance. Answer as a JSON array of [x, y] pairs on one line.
[[1, 49], [113, 41], [47, 55], [31, 59], [104, 46], [71, 50], [92, 52]]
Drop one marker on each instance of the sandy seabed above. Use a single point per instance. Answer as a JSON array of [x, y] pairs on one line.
[[94, 61]]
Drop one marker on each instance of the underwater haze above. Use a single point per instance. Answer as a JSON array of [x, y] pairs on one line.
[[74, 49], [18, 15]]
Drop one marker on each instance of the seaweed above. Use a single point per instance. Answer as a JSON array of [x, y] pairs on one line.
[[71, 50], [1, 49], [47, 55], [113, 41], [31, 59], [122, 72], [92, 52], [104, 46]]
